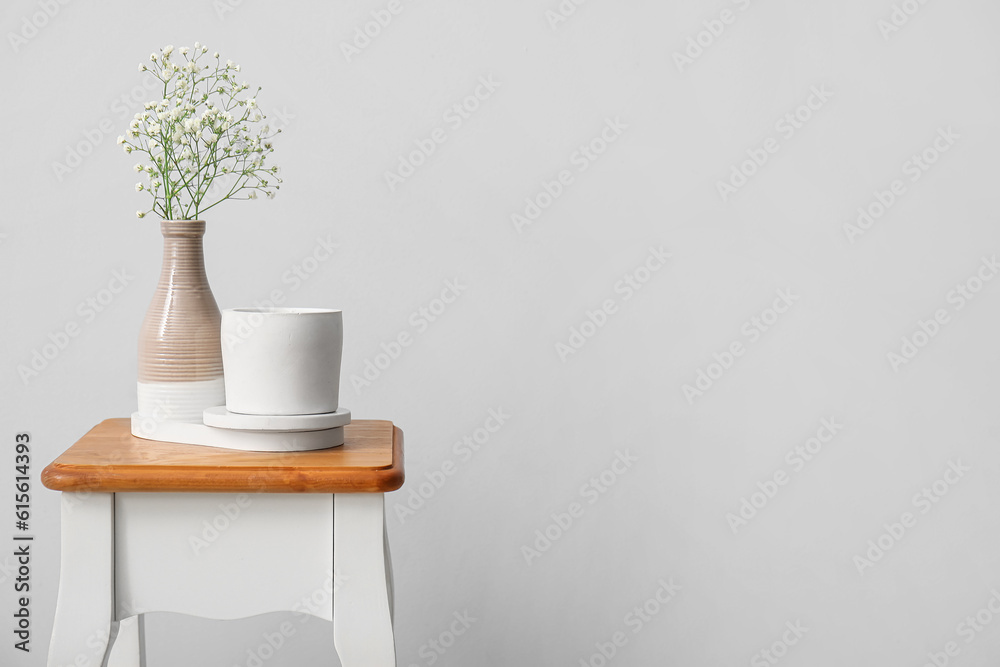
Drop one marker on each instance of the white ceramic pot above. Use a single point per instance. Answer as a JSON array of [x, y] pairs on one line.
[[282, 361]]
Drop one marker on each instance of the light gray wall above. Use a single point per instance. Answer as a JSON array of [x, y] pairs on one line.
[[64, 234]]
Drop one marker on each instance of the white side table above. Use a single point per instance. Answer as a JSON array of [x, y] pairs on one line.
[[151, 526]]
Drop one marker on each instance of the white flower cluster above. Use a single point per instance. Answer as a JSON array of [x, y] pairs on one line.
[[201, 130]]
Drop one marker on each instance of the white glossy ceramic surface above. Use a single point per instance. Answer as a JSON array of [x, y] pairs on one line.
[[282, 361]]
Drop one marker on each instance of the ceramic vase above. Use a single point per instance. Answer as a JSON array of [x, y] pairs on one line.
[[180, 351]]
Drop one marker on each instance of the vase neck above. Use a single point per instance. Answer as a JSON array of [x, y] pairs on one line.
[[183, 253], [182, 228]]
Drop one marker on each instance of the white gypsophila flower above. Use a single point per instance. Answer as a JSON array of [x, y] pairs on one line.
[[138, 167], [152, 56], [121, 140], [215, 55], [138, 187], [142, 68], [190, 136], [197, 45]]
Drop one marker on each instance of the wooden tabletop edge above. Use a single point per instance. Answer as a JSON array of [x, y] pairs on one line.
[[209, 477]]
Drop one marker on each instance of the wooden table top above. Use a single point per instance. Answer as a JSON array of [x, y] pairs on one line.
[[110, 459]]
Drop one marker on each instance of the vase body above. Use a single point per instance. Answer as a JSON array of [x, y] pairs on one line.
[[180, 349]]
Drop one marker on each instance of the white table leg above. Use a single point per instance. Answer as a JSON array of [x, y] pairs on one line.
[[389, 583], [85, 606], [362, 616], [129, 644]]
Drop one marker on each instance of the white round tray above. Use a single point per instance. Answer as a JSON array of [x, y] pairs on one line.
[[220, 417]]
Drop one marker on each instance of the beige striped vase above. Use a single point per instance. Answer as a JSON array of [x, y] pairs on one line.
[[180, 351]]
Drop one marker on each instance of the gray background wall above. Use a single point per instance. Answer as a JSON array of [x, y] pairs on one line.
[[887, 94]]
